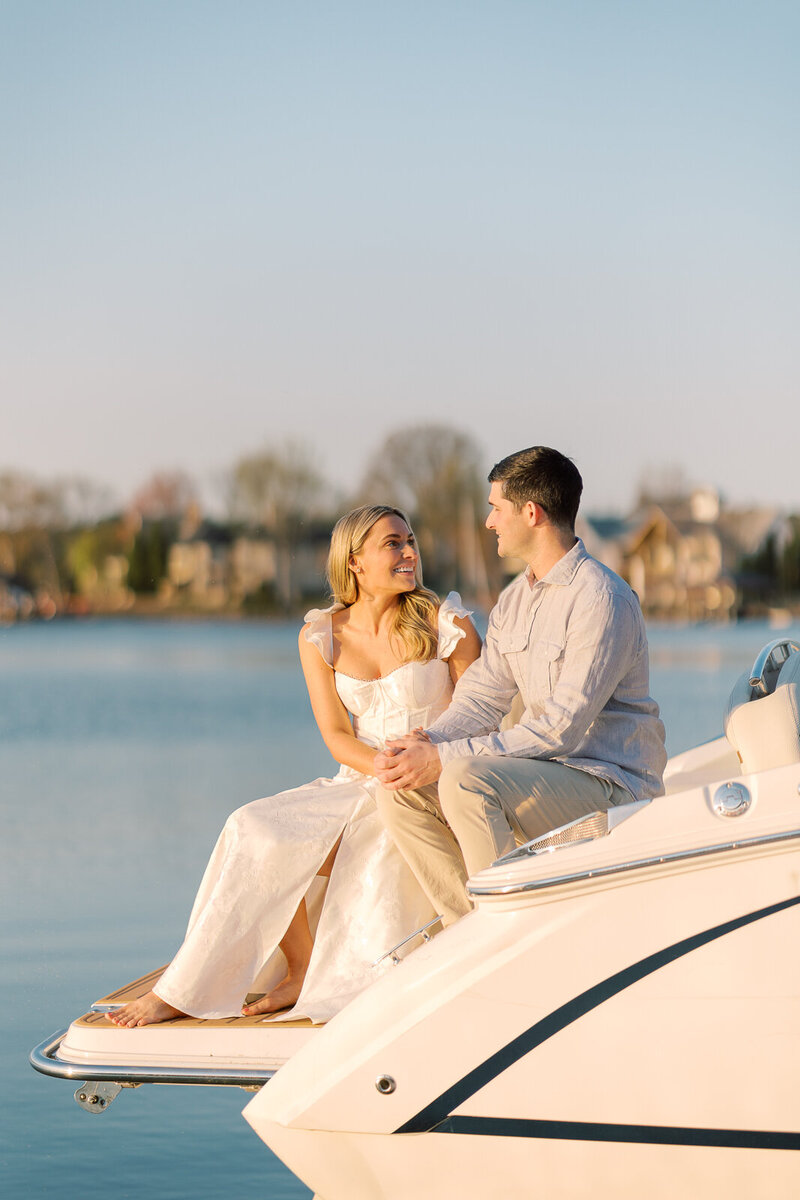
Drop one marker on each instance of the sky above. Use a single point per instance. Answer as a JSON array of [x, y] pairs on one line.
[[224, 225]]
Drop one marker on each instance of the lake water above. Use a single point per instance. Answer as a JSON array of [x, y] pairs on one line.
[[123, 746]]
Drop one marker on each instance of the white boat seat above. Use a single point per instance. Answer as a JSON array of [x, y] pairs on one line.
[[765, 730]]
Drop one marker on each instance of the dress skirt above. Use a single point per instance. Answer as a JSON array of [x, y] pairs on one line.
[[264, 863]]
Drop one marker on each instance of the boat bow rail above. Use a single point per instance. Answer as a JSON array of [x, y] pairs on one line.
[[44, 1058], [238, 1051], [102, 1082]]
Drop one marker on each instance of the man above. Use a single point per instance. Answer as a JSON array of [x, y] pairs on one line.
[[568, 635]]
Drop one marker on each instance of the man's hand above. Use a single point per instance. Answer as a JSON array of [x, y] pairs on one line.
[[408, 762]]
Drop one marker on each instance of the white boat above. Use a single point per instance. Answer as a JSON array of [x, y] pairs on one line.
[[618, 1016]]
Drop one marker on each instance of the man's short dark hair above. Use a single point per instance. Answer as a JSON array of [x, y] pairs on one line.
[[544, 476]]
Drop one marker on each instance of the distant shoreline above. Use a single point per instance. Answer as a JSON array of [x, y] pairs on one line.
[[779, 618]]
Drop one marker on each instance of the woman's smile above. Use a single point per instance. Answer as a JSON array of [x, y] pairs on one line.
[[389, 552]]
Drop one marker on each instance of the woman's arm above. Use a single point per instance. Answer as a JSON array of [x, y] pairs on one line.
[[330, 714], [467, 649]]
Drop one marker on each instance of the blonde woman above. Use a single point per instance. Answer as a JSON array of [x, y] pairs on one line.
[[381, 661]]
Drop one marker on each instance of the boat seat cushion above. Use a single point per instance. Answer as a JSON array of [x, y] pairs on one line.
[[765, 732]]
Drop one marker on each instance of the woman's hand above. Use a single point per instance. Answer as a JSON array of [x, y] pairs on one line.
[[408, 762]]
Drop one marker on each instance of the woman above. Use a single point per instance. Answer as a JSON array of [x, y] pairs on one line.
[[381, 661]]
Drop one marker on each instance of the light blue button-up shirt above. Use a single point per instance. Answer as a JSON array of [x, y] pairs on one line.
[[573, 644]]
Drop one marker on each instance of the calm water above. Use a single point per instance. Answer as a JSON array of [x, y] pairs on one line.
[[123, 746]]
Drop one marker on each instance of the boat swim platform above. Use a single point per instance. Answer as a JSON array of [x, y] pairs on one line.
[[244, 1051]]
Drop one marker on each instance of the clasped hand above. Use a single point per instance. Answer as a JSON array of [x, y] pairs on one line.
[[411, 761]]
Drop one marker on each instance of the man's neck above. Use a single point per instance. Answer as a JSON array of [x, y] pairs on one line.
[[549, 550]]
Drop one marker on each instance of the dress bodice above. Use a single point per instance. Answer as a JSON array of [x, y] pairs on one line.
[[414, 694], [411, 695]]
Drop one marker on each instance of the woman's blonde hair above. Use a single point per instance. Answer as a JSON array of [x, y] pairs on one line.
[[416, 620]]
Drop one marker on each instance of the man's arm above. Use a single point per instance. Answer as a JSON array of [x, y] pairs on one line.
[[482, 696], [477, 705], [603, 638]]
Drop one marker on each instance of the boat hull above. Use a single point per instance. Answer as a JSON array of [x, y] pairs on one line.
[[367, 1167], [625, 1024]]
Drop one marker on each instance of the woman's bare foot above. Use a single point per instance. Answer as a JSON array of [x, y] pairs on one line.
[[147, 1010], [285, 995]]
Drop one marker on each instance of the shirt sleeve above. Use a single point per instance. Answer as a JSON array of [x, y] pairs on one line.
[[603, 636], [482, 696]]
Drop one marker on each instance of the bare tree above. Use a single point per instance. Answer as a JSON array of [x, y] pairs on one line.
[[165, 495], [434, 473], [83, 501], [28, 503], [279, 489], [32, 512]]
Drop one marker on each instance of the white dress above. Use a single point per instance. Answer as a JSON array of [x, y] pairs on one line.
[[269, 852]]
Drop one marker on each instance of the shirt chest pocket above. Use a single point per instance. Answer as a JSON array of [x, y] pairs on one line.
[[546, 660], [535, 662], [514, 649]]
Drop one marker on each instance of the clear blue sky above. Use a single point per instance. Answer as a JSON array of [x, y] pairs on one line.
[[228, 223]]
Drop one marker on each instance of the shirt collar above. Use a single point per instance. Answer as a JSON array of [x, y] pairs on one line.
[[564, 570]]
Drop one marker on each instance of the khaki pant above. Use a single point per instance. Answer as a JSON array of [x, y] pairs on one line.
[[484, 807]]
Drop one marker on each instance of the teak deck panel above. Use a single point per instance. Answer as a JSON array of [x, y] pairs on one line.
[[132, 991]]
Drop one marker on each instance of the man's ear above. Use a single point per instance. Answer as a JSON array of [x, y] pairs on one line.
[[532, 512]]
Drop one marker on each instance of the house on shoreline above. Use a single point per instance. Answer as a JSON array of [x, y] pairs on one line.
[[687, 558]]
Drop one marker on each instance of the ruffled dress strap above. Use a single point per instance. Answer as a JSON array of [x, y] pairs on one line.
[[319, 630], [450, 634]]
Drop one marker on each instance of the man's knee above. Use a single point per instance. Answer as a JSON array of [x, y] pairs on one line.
[[458, 773], [479, 772], [462, 778]]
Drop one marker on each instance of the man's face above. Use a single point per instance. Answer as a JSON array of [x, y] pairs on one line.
[[513, 527]]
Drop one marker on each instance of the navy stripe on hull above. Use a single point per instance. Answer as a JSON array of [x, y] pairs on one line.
[[430, 1117], [651, 1135]]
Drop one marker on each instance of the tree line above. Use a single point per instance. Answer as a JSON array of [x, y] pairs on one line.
[[56, 536], [65, 540]]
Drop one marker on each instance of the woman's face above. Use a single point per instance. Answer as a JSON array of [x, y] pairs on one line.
[[387, 562]]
